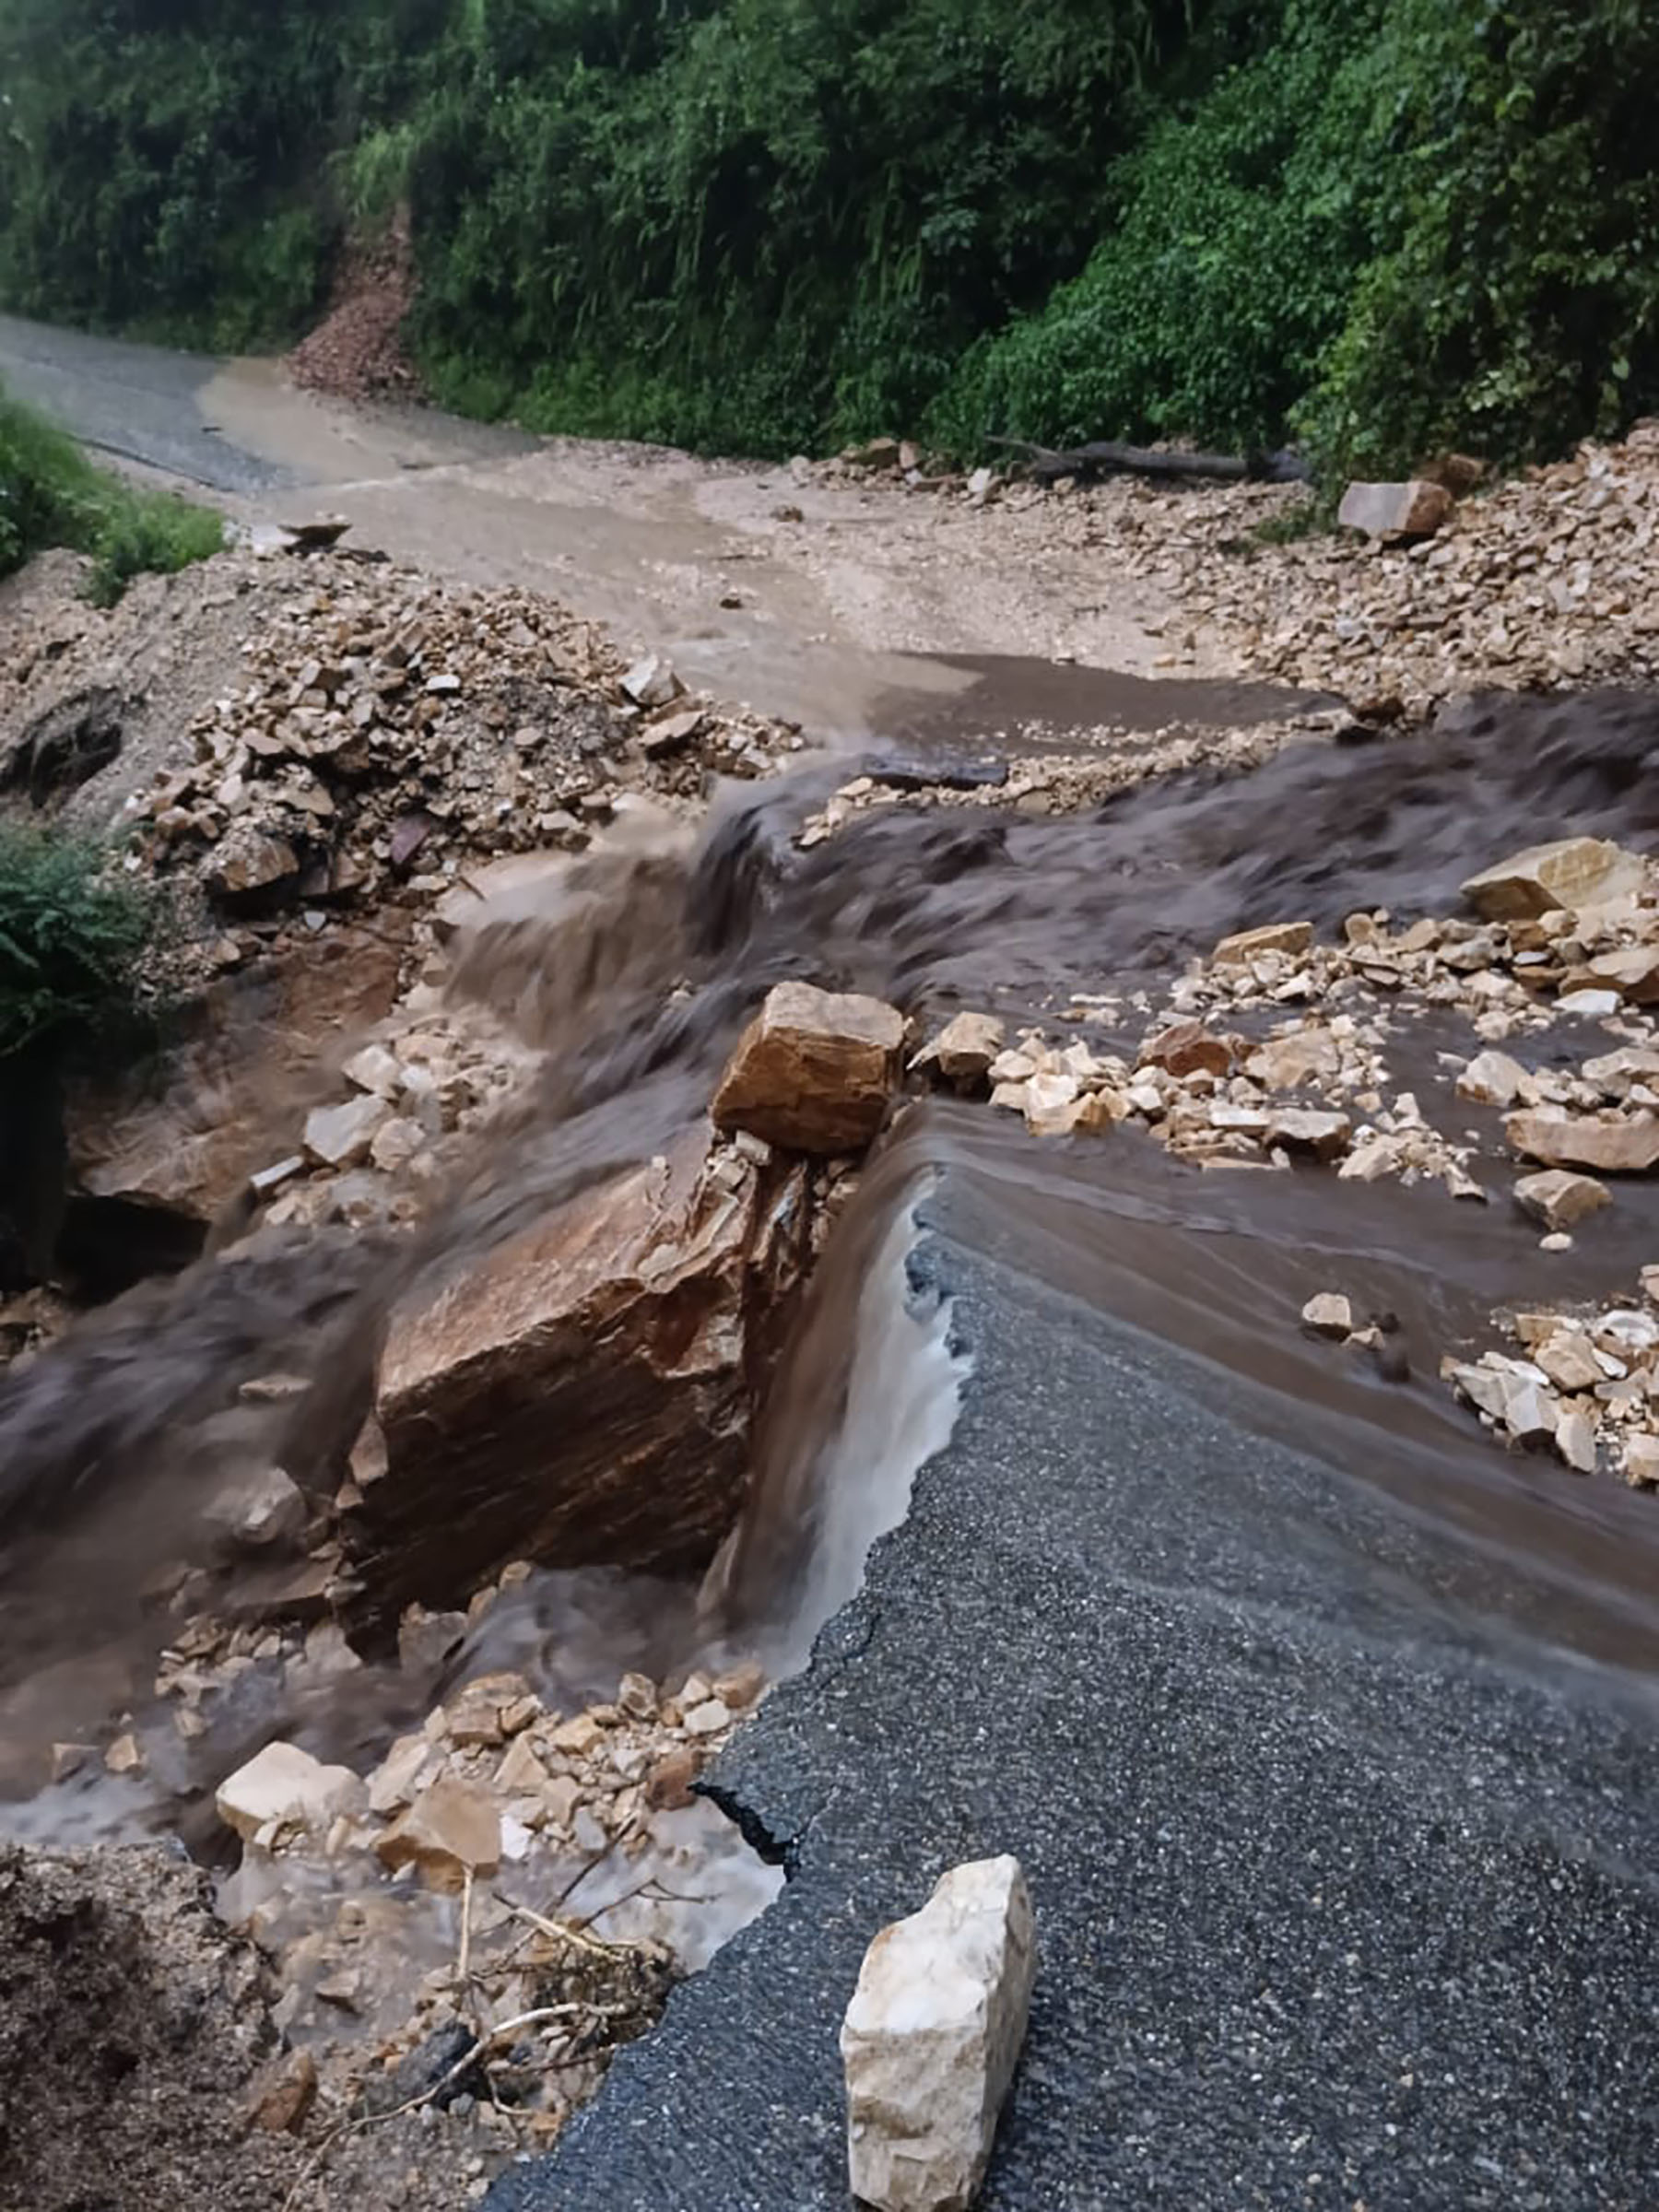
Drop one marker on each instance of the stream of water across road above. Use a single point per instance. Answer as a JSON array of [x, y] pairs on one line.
[[1324, 1725]]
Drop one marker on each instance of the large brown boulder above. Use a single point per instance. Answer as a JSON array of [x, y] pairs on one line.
[[814, 1071], [580, 1393]]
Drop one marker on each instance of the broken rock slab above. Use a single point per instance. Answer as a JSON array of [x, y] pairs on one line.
[[579, 1394], [813, 1070], [287, 1786], [964, 1049], [1558, 1199], [1604, 1144], [1572, 872], [1415, 509], [931, 2037], [1289, 938], [452, 1830], [1328, 1313]]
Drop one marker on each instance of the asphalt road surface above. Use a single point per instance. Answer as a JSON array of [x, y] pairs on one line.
[[1345, 1873]]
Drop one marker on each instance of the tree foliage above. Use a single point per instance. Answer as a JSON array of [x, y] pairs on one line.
[[766, 224]]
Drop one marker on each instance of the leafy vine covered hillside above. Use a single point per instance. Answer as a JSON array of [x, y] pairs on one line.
[[1373, 225]]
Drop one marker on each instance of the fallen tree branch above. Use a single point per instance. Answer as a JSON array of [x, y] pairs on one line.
[[469, 2057], [1105, 457]]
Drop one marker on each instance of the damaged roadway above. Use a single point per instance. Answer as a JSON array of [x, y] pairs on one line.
[[1345, 1871]]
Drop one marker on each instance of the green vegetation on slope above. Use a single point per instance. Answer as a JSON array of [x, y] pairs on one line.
[[52, 495], [1377, 225], [72, 937], [1401, 223]]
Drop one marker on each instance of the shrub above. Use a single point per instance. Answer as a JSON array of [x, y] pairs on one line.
[[73, 935]]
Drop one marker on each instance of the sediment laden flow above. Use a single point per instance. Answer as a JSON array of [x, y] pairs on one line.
[[634, 983]]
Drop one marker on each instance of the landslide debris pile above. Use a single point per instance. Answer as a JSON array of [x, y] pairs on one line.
[[314, 730], [1544, 583]]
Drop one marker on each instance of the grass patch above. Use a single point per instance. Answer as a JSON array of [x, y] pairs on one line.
[[51, 494]]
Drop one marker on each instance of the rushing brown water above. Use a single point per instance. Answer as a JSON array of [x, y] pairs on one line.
[[634, 975]]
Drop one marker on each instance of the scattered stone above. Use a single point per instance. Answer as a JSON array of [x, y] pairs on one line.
[[1568, 1360], [1306, 1129], [814, 1071], [259, 1510], [1292, 1061], [1291, 937], [341, 1137], [651, 682], [1633, 971], [452, 1827], [376, 1069], [285, 2094], [708, 1719], [964, 1049], [931, 2038], [1494, 1079], [125, 1755], [1416, 509], [1186, 1048], [1575, 1441], [1560, 1199], [250, 865], [1328, 1313], [668, 1784], [740, 1687], [1606, 1144], [1574, 872], [671, 733], [287, 1787]]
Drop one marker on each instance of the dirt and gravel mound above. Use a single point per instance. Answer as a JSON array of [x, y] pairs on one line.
[[357, 351], [132, 2026]]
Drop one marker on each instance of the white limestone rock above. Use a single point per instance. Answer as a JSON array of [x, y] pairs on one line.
[[931, 2039]]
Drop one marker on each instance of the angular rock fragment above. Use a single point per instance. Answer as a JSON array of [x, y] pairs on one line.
[[1573, 872], [1607, 1144], [1186, 1048], [1290, 1062], [931, 2037], [1416, 509], [1575, 1441], [342, 1137], [964, 1049], [248, 865], [1558, 1199], [1305, 1129], [813, 1070], [1274, 937], [1632, 972], [1494, 1079], [651, 682], [287, 1785], [1328, 1313], [579, 1394], [285, 2094], [452, 1829]]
